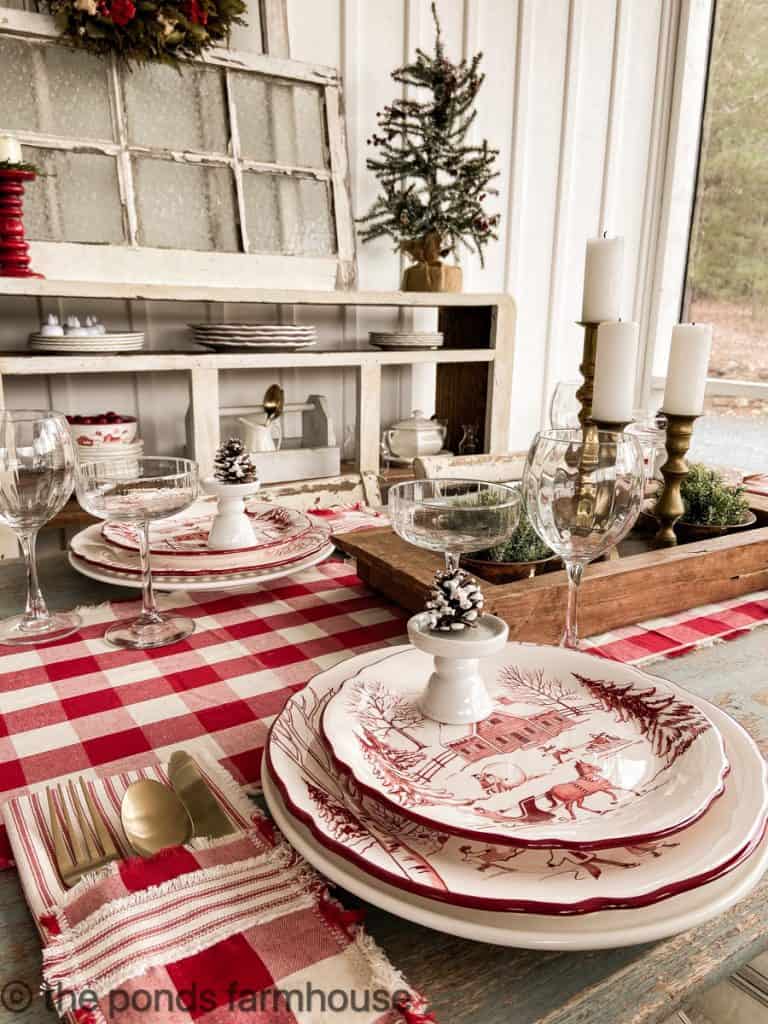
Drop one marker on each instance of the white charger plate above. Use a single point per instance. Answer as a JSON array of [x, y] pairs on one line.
[[577, 752], [480, 875], [193, 585], [89, 546], [608, 929]]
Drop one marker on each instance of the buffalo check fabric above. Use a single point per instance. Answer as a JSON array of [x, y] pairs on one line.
[[80, 706], [236, 929]]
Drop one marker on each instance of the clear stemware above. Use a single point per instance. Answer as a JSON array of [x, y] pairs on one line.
[[152, 488], [37, 474], [583, 492], [453, 516], [564, 406]]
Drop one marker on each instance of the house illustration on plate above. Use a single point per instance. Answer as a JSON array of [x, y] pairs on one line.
[[502, 733]]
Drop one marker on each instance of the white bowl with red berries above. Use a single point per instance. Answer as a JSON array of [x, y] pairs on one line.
[[109, 428]]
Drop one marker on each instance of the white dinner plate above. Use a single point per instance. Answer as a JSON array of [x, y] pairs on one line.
[[235, 582], [481, 875], [89, 546], [608, 929]]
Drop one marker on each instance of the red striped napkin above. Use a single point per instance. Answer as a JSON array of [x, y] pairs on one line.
[[235, 929]]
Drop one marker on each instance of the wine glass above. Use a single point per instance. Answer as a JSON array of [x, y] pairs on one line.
[[564, 406], [150, 488], [37, 473], [583, 492], [453, 516]]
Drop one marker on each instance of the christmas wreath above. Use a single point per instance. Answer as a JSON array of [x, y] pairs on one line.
[[138, 31]]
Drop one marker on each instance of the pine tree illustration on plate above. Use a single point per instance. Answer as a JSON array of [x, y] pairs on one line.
[[670, 725]]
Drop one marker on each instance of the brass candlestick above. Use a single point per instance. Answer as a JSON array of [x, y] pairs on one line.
[[587, 370], [670, 505]]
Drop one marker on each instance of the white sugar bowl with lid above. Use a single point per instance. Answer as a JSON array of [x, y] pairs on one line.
[[415, 436]]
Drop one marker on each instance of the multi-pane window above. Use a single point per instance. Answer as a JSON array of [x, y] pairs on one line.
[[221, 158]]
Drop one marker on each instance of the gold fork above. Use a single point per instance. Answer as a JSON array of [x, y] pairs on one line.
[[88, 846]]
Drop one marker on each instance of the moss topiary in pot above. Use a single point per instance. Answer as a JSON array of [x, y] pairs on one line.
[[523, 556], [712, 506]]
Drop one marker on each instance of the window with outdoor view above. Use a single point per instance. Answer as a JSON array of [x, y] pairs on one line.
[[727, 277]]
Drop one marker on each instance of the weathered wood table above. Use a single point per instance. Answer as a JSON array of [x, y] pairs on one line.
[[471, 983]]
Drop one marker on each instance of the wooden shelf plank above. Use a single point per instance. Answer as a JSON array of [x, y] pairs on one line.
[[42, 288], [37, 363]]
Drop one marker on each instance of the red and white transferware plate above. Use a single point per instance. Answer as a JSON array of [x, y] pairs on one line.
[[349, 822], [578, 752], [187, 534], [90, 546]]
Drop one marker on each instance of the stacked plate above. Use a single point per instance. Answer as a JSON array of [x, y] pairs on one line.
[[396, 341], [255, 337], [132, 341], [118, 459], [596, 806], [284, 542]]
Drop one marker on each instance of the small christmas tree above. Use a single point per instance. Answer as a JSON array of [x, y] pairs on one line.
[[433, 183], [233, 464], [455, 602]]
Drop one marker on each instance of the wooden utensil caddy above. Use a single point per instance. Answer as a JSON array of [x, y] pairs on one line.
[[644, 583]]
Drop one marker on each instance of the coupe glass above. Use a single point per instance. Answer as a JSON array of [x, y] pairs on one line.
[[583, 493], [564, 406], [138, 493], [453, 516], [37, 473]]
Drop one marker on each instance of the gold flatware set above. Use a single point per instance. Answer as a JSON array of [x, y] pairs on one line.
[[153, 817]]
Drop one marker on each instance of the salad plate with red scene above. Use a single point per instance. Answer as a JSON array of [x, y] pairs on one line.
[[187, 534], [577, 752], [90, 547], [351, 823]]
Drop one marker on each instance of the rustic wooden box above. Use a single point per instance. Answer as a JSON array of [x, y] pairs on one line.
[[634, 587]]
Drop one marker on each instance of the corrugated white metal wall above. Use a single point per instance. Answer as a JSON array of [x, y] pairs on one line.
[[577, 98]]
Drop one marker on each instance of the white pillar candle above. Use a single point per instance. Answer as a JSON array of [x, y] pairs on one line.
[[615, 367], [687, 369], [10, 149], [603, 271]]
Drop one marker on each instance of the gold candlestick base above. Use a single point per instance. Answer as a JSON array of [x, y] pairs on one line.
[[670, 505], [587, 370]]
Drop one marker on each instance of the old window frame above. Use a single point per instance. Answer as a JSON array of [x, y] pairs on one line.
[[136, 264]]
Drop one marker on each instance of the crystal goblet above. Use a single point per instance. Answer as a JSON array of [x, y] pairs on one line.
[[564, 406], [583, 492], [140, 492], [37, 474], [453, 516]]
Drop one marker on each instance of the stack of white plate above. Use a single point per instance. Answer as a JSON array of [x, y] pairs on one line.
[[255, 337], [285, 541], [397, 340], [118, 459], [129, 341], [596, 806]]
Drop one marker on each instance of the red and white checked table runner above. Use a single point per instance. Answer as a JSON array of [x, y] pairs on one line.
[[80, 706]]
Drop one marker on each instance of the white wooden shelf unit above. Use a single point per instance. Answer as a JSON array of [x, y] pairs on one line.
[[474, 367]]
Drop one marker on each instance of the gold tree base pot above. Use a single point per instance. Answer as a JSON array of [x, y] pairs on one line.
[[432, 277]]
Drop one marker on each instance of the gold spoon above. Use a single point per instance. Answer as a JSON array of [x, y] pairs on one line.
[[153, 817], [273, 402]]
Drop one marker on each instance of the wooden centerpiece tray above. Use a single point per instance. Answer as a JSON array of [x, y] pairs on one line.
[[642, 583]]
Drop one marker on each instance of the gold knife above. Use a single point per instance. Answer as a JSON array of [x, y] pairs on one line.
[[208, 817]]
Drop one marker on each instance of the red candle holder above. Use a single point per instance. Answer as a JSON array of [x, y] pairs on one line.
[[14, 251]]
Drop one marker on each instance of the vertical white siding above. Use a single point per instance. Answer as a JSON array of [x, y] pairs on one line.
[[576, 98]]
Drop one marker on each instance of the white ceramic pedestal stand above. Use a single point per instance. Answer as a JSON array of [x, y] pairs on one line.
[[456, 693], [231, 528]]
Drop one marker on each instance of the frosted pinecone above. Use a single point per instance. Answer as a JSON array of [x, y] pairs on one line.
[[455, 602], [233, 464]]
